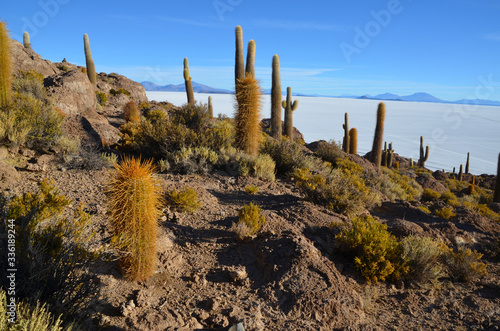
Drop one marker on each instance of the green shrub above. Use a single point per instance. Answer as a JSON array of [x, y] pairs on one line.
[[430, 194], [424, 209], [338, 190], [378, 255], [186, 201], [242, 164], [192, 160], [66, 145], [62, 67], [251, 218], [29, 318], [450, 199], [446, 213], [156, 116], [329, 151], [121, 90], [463, 265], [288, 155], [193, 116], [31, 83], [102, 98], [52, 252], [423, 256]]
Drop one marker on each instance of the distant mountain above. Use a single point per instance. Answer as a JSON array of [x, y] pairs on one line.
[[416, 97], [198, 88]]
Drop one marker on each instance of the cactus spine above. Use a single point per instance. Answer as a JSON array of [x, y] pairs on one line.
[[290, 107], [26, 40], [276, 99], [496, 195], [210, 107], [250, 69], [353, 141], [239, 68], [345, 144], [379, 136], [467, 164], [423, 156], [90, 62], [5, 66], [134, 205], [188, 83], [248, 115]]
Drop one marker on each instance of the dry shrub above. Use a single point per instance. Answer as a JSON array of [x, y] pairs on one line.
[[423, 256], [186, 201], [250, 221], [288, 156], [463, 265]]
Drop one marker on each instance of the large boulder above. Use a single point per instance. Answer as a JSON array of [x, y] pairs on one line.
[[27, 59], [71, 91], [133, 91]]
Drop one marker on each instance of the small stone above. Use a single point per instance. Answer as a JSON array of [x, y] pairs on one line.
[[237, 327]]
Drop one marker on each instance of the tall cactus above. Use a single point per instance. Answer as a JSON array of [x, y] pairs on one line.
[[289, 107], [90, 62], [346, 144], [379, 136], [26, 40], [5, 66], [276, 99], [353, 141], [210, 107], [467, 164], [248, 115], [423, 156], [134, 205], [188, 83], [460, 174], [496, 195], [250, 69], [239, 68]]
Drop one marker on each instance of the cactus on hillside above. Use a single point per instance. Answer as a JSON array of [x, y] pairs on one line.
[[276, 127], [345, 144], [210, 107], [423, 156], [390, 155], [496, 195], [248, 115], [89, 61], [239, 68], [5, 66], [379, 136], [460, 173], [188, 83], [134, 206], [289, 107], [467, 164], [26, 40], [353, 141], [250, 69]]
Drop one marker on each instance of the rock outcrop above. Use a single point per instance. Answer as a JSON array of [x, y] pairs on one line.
[[27, 59]]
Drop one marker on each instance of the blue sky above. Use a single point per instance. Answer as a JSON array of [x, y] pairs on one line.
[[450, 49]]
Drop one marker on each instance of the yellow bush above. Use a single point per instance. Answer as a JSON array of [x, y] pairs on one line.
[[184, 201], [464, 265], [250, 215], [450, 198], [378, 255], [430, 194], [251, 189], [446, 213]]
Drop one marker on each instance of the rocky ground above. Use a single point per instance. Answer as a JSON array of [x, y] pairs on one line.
[[290, 277]]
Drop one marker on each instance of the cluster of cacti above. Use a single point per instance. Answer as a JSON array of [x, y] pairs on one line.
[[188, 83], [387, 155], [210, 107], [345, 143], [247, 128], [5, 66], [376, 152], [134, 206], [423, 156], [289, 107], [248, 97], [276, 126], [496, 195], [89, 61], [353, 141], [26, 40], [467, 164]]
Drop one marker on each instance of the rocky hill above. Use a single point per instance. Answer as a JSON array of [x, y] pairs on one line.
[[291, 276]]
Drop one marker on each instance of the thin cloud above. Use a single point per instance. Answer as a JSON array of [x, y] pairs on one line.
[[184, 21], [492, 36], [292, 25]]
